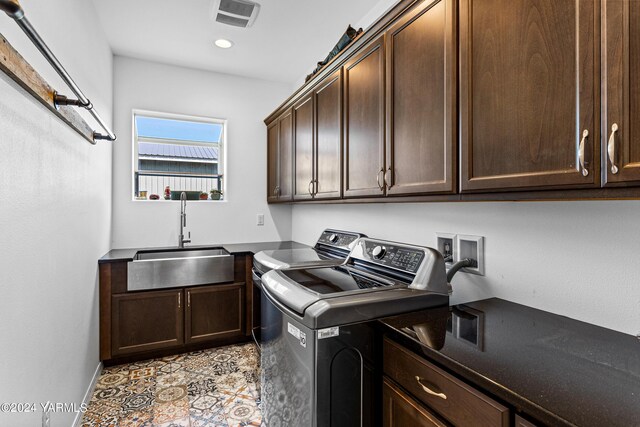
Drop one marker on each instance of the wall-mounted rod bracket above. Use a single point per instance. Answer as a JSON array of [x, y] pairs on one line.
[[12, 8], [59, 100], [15, 11]]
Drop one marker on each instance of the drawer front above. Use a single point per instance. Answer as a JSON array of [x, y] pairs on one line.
[[453, 399], [400, 410]]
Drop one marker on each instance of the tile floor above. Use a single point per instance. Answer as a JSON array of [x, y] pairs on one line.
[[213, 388]]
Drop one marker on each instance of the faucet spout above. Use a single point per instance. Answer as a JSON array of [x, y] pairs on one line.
[[183, 220]]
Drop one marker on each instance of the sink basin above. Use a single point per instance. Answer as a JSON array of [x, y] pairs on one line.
[[181, 253], [180, 267]]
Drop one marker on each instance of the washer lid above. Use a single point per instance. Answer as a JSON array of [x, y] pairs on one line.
[[280, 259]]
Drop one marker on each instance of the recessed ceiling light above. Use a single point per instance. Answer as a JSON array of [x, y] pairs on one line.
[[224, 43]]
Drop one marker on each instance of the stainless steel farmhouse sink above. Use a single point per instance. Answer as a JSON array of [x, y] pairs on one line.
[[183, 267]]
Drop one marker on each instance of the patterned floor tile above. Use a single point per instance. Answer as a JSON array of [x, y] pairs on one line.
[[164, 413], [209, 388]]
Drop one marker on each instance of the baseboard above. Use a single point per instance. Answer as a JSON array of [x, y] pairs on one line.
[[88, 394]]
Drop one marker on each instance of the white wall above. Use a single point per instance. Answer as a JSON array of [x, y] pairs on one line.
[[378, 10], [578, 259], [244, 103], [55, 218]]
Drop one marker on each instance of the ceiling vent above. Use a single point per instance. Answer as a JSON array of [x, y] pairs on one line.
[[238, 13]]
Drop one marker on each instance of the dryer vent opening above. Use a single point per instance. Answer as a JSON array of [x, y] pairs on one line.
[[238, 13]]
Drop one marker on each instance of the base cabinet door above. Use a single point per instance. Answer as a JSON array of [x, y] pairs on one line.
[[400, 410], [147, 321], [621, 92], [529, 80], [214, 312]]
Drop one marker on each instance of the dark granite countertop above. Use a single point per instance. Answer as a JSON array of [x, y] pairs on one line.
[[558, 370], [116, 255]]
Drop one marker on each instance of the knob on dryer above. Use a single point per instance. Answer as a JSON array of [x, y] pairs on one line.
[[379, 252], [333, 238]]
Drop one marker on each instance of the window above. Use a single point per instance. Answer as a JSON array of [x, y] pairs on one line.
[[172, 154]]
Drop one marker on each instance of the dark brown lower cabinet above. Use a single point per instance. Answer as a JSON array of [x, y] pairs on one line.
[[445, 395], [214, 312], [400, 410], [146, 321]]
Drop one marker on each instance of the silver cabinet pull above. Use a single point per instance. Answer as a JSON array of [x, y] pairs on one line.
[[381, 186], [188, 299], [581, 152], [429, 390], [179, 303], [310, 188], [387, 182], [611, 148]]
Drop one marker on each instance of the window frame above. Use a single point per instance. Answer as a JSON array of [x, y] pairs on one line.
[[222, 151]]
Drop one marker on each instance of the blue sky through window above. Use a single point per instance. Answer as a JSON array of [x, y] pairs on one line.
[[181, 130]]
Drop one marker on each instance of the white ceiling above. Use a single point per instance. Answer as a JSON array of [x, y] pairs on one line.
[[285, 42]]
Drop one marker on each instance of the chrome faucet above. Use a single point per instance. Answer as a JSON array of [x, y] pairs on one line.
[[183, 220]]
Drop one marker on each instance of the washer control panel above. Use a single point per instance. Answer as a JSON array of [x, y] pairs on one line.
[[393, 255]]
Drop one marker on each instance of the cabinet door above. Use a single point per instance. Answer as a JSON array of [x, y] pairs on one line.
[[364, 122], [421, 154], [621, 106], [146, 321], [215, 312], [272, 161], [399, 410], [528, 81], [328, 103], [303, 143], [285, 153]]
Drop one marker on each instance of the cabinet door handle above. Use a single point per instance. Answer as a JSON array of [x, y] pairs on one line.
[[188, 299], [611, 148], [310, 188], [430, 390], [387, 182], [581, 152], [179, 298], [381, 186]]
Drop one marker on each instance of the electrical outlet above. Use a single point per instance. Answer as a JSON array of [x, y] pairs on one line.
[[260, 219], [447, 247], [471, 247], [46, 418]]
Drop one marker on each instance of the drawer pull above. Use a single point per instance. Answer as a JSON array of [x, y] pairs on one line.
[[429, 390]]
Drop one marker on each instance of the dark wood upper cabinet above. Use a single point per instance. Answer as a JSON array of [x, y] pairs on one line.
[[304, 158], [529, 86], [285, 164], [146, 321], [621, 92], [273, 155], [364, 122], [214, 312], [280, 158], [328, 105], [421, 101]]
